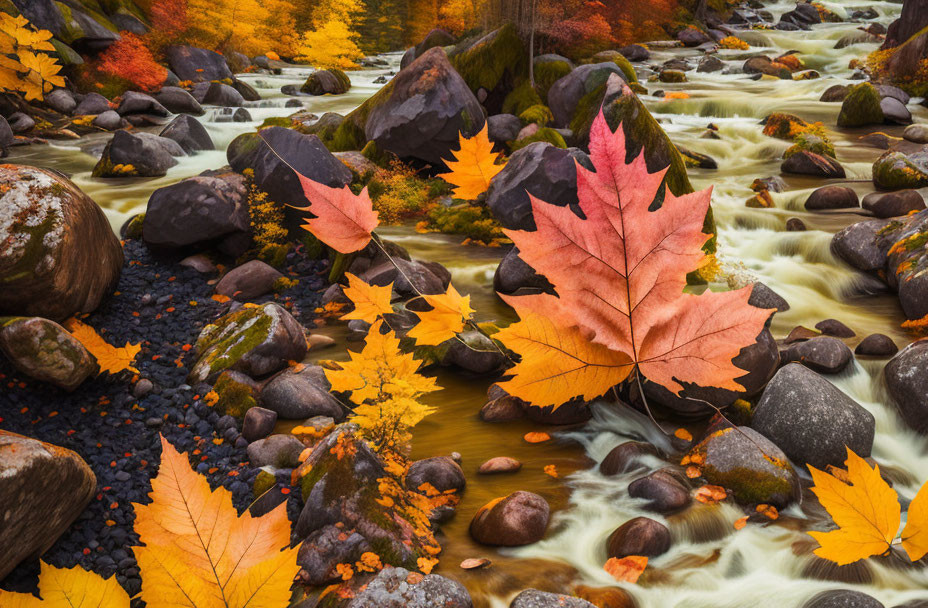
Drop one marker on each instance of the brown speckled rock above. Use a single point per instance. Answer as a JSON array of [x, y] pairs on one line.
[[518, 519], [44, 350]]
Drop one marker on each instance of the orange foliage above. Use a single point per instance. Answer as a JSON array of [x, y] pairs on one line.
[[130, 59]]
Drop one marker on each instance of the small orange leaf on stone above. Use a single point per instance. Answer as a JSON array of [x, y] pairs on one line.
[[626, 569], [683, 434], [537, 437], [710, 494], [768, 511], [693, 472]]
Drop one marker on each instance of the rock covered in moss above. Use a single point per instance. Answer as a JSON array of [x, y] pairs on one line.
[[906, 378], [138, 154], [620, 60], [58, 255], [43, 489], [861, 107], [492, 66], [327, 82], [550, 68], [44, 350], [532, 134], [256, 341], [565, 95], [897, 170], [520, 518], [748, 465], [811, 420]]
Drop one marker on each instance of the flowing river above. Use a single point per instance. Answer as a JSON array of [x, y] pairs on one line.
[[710, 565]]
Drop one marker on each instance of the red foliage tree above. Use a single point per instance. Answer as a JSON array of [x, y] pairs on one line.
[[130, 59]]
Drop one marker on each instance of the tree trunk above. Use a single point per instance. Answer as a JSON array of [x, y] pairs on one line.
[[914, 19], [531, 48]]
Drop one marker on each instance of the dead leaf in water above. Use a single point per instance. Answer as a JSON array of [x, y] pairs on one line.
[[626, 569], [537, 437]]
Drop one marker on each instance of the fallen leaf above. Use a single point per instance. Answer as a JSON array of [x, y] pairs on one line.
[[693, 472], [221, 298], [710, 494], [444, 321], [111, 359], [683, 434], [67, 588], [915, 533], [768, 511], [626, 569], [551, 470], [866, 511], [370, 301], [537, 437], [474, 166], [741, 522]]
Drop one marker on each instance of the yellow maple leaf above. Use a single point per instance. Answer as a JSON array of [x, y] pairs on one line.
[[915, 533], [42, 76], [444, 321], [66, 588], [370, 301], [199, 554], [866, 511], [111, 359], [474, 167]]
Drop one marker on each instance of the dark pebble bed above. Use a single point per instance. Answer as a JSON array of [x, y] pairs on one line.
[[115, 427]]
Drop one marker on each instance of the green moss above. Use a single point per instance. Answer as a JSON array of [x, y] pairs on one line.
[[134, 229], [811, 143], [547, 73], [264, 481], [749, 486], [521, 99], [231, 337], [672, 76], [495, 59], [235, 398], [626, 66], [861, 107], [896, 171], [377, 156], [34, 249], [276, 121], [539, 114], [473, 221], [546, 134], [348, 136]]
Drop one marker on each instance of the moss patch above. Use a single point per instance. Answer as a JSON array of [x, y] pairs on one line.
[[546, 134], [861, 107], [538, 114]]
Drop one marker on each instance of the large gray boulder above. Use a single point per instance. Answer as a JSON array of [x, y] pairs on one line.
[[811, 420], [906, 377], [298, 395], [137, 154], [179, 101], [396, 588], [533, 598], [566, 93], [197, 65], [221, 94], [823, 354], [134, 102], [189, 133]]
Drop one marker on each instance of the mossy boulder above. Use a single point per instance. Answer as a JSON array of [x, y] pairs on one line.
[[672, 76], [784, 126], [58, 254], [492, 66], [548, 70], [237, 394], [906, 241], [327, 82], [748, 465], [44, 350], [538, 114], [520, 99], [137, 154], [900, 171], [568, 93], [620, 60], [85, 29], [861, 107], [811, 142], [255, 340], [546, 135]]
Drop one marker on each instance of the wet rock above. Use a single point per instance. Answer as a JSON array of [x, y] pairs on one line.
[[566, 93], [254, 341], [861, 107], [842, 598], [894, 111], [533, 598], [764, 297], [137, 154], [296, 395], [221, 94], [501, 406], [60, 100], [627, 456], [906, 377], [709, 64], [665, 490], [109, 121], [900, 171], [833, 327], [258, 423], [357, 163], [832, 197], [197, 212], [179, 101], [43, 489], [513, 275], [197, 65], [834, 93], [410, 278], [92, 103], [825, 355], [635, 52], [474, 352], [794, 224], [906, 263], [134, 102], [324, 550], [547, 172], [21, 123], [189, 133], [327, 82], [421, 112], [639, 536], [500, 464], [233, 115], [440, 472], [518, 519], [816, 165], [917, 133], [692, 37], [280, 451], [748, 465], [877, 345], [44, 350], [399, 588], [569, 413], [671, 76], [893, 204], [811, 420], [859, 245], [800, 334], [767, 66], [503, 127], [58, 254], [248, 92], [248, 281]]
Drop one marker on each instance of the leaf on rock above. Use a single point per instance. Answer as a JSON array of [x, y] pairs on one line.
[[866, 511], [199, 554], [370, 301], [446, 319], [915, 533], [626, 569], [111, 359], [67, 588], [474, 166], [620, 276], [710, 494]]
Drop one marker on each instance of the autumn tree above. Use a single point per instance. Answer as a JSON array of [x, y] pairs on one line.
[[333, 40], [382, 26], [459, 16]]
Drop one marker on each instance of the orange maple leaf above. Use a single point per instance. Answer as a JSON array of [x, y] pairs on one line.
[[474, 166], [620, 276], [626, 569], [111, 359]]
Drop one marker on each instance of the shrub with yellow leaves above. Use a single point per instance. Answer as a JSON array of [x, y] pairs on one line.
[[25, 66]]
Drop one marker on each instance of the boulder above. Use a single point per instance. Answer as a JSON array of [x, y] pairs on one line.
[[748, 465], [709, 64], [665, 491], [255, 341], [440, 472], [61, 100], [501, 406], [298, 395], [327, 82], [400, 588], [134, 102], [834, 93], [859, 245], [861, 107], [248, 92], [533, 598], [475, 353], [279, 451], [6, 137], [21, 123], [893, 204], [43, 490], [258, 423], [692, 37], [45, 351], [834, 327], [894, 111], [764, 297], [639, 536], [811, 420], [189, 133], [221, 94], [421, 113], [409, 278], [906, 377], [58, 254], [198, 212], [804, 162], [896, 170], [137, 154], [513, 275], [502, 128], [876, 345], [92, 103], [518, 519], [917, 133], [436, 37], [904, 242], [499, 464], [109, 121], [825, 355], [565, 94], [197, 65], [913, 19], [832, 197], [492, 65], [179, 101], [627, 456], [842, 598], [326, 548], [248, 281]]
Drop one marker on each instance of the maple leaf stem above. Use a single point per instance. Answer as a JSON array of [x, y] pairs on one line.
[[644, 400]]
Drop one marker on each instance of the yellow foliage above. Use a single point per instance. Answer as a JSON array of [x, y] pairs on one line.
[[915, 533], [474, 166], [332, 44], [459, 16], [24, 66], [370, 301], [111, 360], [199, 554], [66, 588], [444, 321], [733, 42]]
